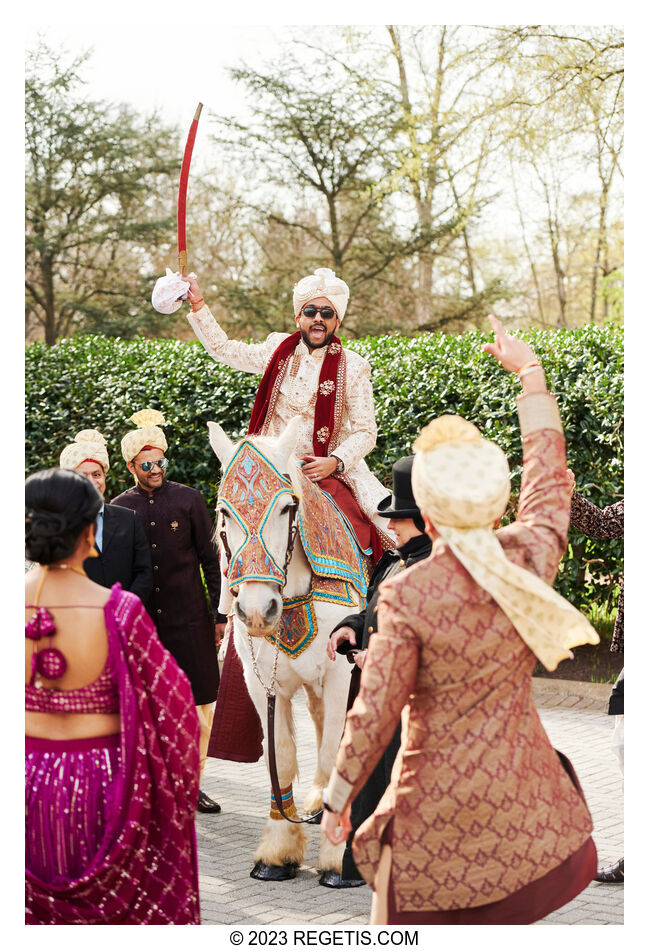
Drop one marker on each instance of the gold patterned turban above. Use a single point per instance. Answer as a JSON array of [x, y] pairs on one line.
[[322, 283], [88, 445], [148, 432], [461, 482]]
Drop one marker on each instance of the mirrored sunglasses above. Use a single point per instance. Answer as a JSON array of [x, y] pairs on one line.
[[148, 466], [310, 311]]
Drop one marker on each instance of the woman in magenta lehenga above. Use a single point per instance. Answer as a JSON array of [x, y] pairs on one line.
[[111, 759]]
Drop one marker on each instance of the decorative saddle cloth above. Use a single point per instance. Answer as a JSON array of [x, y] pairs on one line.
[[340, 568], [328, 538]]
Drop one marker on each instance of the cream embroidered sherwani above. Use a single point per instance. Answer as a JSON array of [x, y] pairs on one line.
[[297, 396], [480, 801]]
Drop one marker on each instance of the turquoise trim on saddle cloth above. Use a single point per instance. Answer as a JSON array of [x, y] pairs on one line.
[[299, 626], [328, 539]]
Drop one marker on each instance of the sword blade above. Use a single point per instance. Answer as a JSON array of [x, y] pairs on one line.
[[182, 192]]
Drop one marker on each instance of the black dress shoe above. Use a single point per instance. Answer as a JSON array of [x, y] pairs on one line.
[[611, 874], [333, 879], [205, 804]]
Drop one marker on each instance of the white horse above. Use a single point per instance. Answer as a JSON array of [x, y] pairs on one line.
[[264, 504]]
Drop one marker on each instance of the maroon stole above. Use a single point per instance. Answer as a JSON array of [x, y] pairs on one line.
[[330, 397]]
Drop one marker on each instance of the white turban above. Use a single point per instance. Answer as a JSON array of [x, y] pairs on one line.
[[461, 482], [89, 444], [169, 292], [148, 432], [323, 283]]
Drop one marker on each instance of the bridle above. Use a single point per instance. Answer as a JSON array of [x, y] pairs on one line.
[[290, 545]]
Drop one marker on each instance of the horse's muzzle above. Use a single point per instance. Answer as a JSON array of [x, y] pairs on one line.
[[259, 620]]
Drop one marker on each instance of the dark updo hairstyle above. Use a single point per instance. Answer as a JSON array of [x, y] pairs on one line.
[[59, 504]]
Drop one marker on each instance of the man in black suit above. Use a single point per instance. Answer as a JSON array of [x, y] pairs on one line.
[[123, 553]]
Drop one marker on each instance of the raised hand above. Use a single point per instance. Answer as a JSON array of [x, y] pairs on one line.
[[510, 352], [194, 289], [516, 356]]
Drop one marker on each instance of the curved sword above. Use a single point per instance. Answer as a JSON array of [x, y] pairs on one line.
[[182, 192]]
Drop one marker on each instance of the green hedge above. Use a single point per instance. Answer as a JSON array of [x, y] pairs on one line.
[[90, 381]]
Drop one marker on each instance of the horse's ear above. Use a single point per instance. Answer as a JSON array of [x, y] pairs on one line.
[[288, 439], [223, 447]]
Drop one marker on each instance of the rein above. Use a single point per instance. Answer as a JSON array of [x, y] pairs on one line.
[[270, 688]]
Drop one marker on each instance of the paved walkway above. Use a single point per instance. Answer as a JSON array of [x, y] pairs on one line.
[[574, 715]]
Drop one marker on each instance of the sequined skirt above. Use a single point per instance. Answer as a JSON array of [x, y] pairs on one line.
[[67, 803]]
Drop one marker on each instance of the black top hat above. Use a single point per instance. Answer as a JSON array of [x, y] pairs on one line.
[[401, 503]]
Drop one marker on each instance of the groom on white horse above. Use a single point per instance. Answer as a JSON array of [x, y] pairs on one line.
[[309, 374], [306, 376]]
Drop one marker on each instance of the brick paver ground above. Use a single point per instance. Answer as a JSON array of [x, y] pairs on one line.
[[574, 715]]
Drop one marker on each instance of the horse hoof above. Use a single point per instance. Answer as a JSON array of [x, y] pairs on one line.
[[315, 819], [334, 879], [273, 872]]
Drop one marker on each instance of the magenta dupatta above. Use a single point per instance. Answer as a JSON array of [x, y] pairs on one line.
[[145, 871]]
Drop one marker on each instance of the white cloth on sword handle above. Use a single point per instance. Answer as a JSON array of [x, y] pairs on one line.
[[170, 291]]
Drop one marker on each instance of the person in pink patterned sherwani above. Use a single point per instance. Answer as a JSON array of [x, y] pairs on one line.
[[483, 821]]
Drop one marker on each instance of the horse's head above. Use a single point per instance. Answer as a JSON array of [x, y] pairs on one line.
[[255, 513]]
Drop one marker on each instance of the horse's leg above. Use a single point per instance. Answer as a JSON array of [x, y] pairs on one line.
[[334, 698], [283, 845], [315, 705]]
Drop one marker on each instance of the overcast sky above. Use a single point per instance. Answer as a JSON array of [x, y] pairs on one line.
[[164, 56], [151, 70]]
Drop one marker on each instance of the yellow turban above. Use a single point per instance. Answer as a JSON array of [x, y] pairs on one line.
[[461, 482], [322, 283], [148, 432], [88, 444]]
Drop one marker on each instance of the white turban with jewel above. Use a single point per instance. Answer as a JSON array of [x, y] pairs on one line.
[[461, 482], [322, 283], [89, 445], [148, 432]]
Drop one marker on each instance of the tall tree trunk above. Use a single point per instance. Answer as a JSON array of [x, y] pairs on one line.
[[423, 202], [47, 272], [535, 278], [554, 231], [600, 252], [336, 249], [465, 236], [559, 272]]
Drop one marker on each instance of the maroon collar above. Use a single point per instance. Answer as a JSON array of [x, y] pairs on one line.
[[329, 399]]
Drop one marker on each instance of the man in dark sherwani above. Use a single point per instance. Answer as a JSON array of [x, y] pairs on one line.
[[180, 534]]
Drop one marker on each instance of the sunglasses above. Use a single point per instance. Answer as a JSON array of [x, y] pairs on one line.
[[311, 310], [161, 463]]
